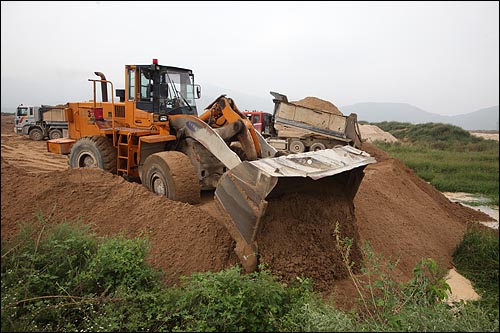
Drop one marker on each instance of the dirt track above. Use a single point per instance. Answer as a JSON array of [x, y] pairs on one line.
[[394, 210]]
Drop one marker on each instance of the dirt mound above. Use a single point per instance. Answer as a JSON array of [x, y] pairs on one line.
[[487, 136], [400, 214], [318, 104], [373, 133], [184, 239], [298, 235]]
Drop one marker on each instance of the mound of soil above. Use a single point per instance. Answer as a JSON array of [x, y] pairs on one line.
[[184, 239], [298, 236], [373, 133], [400, 214], [318, 104]]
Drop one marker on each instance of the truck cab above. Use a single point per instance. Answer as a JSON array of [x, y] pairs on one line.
[[262, 121], [25, 115]]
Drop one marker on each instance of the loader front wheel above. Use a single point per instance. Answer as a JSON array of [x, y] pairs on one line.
[[171, 173], [93, 152]]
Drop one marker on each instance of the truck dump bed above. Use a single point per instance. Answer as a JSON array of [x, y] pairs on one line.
[[53, 114], [291, 120]]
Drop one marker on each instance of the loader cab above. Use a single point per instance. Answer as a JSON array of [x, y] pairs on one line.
[[162, 90]]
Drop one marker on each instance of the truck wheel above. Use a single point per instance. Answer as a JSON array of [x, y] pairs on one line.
[[36, 134], [93, 152], [296, 146], [55, 134], [317, 146], [172, 174]]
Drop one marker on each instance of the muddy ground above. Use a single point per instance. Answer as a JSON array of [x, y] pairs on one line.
[[396, 212]]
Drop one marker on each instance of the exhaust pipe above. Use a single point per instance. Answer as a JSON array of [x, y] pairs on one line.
[[104, 90]]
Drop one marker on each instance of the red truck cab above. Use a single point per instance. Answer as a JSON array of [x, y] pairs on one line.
[[262, 121]]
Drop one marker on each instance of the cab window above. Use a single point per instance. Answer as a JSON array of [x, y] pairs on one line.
[[131, 84], [22, 111]]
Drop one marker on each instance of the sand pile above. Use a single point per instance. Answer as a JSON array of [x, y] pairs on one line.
[[318, 104], [374, 133], [184, 239], [401, 214], [298, 235]]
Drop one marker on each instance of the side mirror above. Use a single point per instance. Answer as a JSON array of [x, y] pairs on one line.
[[197, 89]]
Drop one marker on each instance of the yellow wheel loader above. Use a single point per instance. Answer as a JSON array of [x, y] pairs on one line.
[[154, 135]]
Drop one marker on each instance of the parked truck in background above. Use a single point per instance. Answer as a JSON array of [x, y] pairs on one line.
[[296, 129], [262, 121], [40, 122]]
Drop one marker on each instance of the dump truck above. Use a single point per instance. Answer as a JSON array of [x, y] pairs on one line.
[[40, 122], [155, 136], [295, 128]]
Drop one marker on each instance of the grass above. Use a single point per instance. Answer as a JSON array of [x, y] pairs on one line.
[[477, 258]]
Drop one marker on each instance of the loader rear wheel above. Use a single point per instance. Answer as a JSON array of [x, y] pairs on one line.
[[172, 174], [296, 146], [317, 146], [55, 134], [36, 134], [93, 152]]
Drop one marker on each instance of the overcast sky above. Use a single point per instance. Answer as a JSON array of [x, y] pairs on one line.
[[442, 57]]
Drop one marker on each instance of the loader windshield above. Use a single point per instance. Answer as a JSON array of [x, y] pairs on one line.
[[178, 84], [166, 90]]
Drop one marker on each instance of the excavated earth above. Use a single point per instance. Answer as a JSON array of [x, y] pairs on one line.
[[396, 212]]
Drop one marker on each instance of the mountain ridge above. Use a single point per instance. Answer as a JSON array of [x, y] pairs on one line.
[[482, 119]]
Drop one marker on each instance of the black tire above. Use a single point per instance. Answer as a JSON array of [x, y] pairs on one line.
[[296, 146], [55, 134], [93, 152], [172, 174], [36, 134], [317, 146]]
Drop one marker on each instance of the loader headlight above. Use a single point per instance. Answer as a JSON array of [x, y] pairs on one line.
[[163, 118]]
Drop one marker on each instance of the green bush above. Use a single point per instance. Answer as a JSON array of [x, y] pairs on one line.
[[55, 276], [232, 301]]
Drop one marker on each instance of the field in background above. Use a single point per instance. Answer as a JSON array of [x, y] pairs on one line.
[[448, 157]]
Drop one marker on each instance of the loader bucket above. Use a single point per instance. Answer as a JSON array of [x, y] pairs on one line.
[[243, 193]]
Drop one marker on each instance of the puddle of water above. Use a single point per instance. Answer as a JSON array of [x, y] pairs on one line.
[[462, 197]]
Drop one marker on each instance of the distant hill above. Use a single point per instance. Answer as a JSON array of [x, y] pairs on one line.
[[483, 119]]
